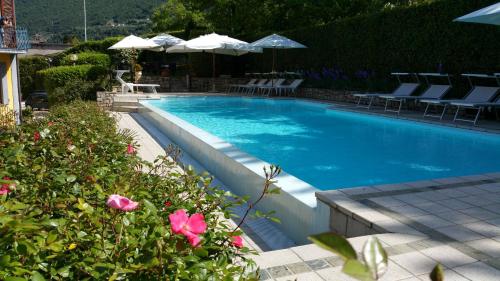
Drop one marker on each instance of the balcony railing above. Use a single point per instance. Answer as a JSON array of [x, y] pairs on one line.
[[15, 38]]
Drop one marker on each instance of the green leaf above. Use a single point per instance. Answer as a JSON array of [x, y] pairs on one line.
[[12, 278], [51, 237], [334, 243], [375, 257], [71, 178], [64, 271], [357, 270], [36, 276], [437, 273], [4, 260]]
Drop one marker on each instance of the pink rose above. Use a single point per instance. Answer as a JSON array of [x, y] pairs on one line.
[[188, 226], [121, 203], [5, 187], [130, 149], [237, 241], [36, 136]]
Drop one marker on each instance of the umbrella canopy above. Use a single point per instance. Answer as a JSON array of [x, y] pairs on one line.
[[488, 15], [216, 44], [135, 43], [165, 40], [276, 41]]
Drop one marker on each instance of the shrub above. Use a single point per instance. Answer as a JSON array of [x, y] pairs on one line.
[[76, 89], [91, 58], [28, 68], [59, 77], [59, 219]]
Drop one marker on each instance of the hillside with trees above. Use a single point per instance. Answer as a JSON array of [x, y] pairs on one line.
[[57, 19]]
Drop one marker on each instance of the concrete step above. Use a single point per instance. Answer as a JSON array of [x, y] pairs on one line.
[[125, 108], [125, 103]]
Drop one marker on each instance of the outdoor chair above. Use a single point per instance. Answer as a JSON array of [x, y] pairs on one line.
[[291, 88], [237, 87], [130, 87], [478, 96], [250, 89], [271, 85], [404, 90], [434, 92]]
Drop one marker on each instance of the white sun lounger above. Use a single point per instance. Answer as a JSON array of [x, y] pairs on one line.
[[478, 95], [238, 87], [291, 88], [250, 89], [404, 90], [130, 87], [271, 85]]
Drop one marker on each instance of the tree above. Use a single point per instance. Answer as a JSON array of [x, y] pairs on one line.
[[179, 14]]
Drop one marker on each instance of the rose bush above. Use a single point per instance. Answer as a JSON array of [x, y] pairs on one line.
[[77, 203]]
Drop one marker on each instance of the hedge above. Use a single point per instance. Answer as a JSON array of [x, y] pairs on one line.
[[415, 39], [28, 68], [92, 58], [57, 77]]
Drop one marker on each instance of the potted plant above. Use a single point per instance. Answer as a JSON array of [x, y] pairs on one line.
[[137, 72]]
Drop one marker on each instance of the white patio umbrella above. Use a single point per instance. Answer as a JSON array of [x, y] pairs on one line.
[[164, 40], [488, 15], [215, 44], [275, 41], [133, 42]]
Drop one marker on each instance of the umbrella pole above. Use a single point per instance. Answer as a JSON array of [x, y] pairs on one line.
[[273, 71], [213, 71]]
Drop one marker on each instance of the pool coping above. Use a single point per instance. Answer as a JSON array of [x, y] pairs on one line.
[[343, 204]]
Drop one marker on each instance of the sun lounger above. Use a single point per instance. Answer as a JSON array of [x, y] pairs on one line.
[[434, 92], [238, 87], [291, 88], [130, 87], [271, 85], [250, 89], [404, 90], [478, 95]]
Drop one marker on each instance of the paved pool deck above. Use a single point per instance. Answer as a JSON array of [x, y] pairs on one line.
[[453, 221]]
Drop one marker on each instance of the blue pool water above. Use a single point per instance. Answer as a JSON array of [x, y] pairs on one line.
[[332, 149]]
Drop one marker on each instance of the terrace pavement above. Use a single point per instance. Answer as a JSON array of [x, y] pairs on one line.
[[453, 221]]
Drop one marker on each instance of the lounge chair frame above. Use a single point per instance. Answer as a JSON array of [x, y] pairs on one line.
[[126, 87]]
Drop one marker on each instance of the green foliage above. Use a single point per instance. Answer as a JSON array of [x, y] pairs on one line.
[[75, 89], [415, 39], [374, 258], [55, 223], [61, 18], [92, 58], [28, 68], [56, 77]]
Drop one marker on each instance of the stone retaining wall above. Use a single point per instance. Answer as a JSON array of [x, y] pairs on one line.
[[105, 99]]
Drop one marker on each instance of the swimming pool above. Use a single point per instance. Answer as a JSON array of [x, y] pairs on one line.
[[334, 149]]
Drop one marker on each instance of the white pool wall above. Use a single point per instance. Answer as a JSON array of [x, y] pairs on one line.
[[296, 206]]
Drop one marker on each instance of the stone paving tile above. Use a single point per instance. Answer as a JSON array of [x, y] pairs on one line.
[[478, 271], [448, 256], [279, 271], [490, 187], [275, 258], [334, 274], [453, 193], [408, 211], [395, 272], [396, 227], [457, 217], [420, 184], [472, 190], [311, 252], [455, 204], [433, 221], [410, 199], [480, 213], [433, 195], [487, 246], [317, 264], [299, 267], [388, 201], [399, 238], [449, 180], [309, 276], [415, 262], [483, 228], [334, 261], [495, 208], [460, 233], [477, 200], [399, 249], [264, 275], [433, 207]]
